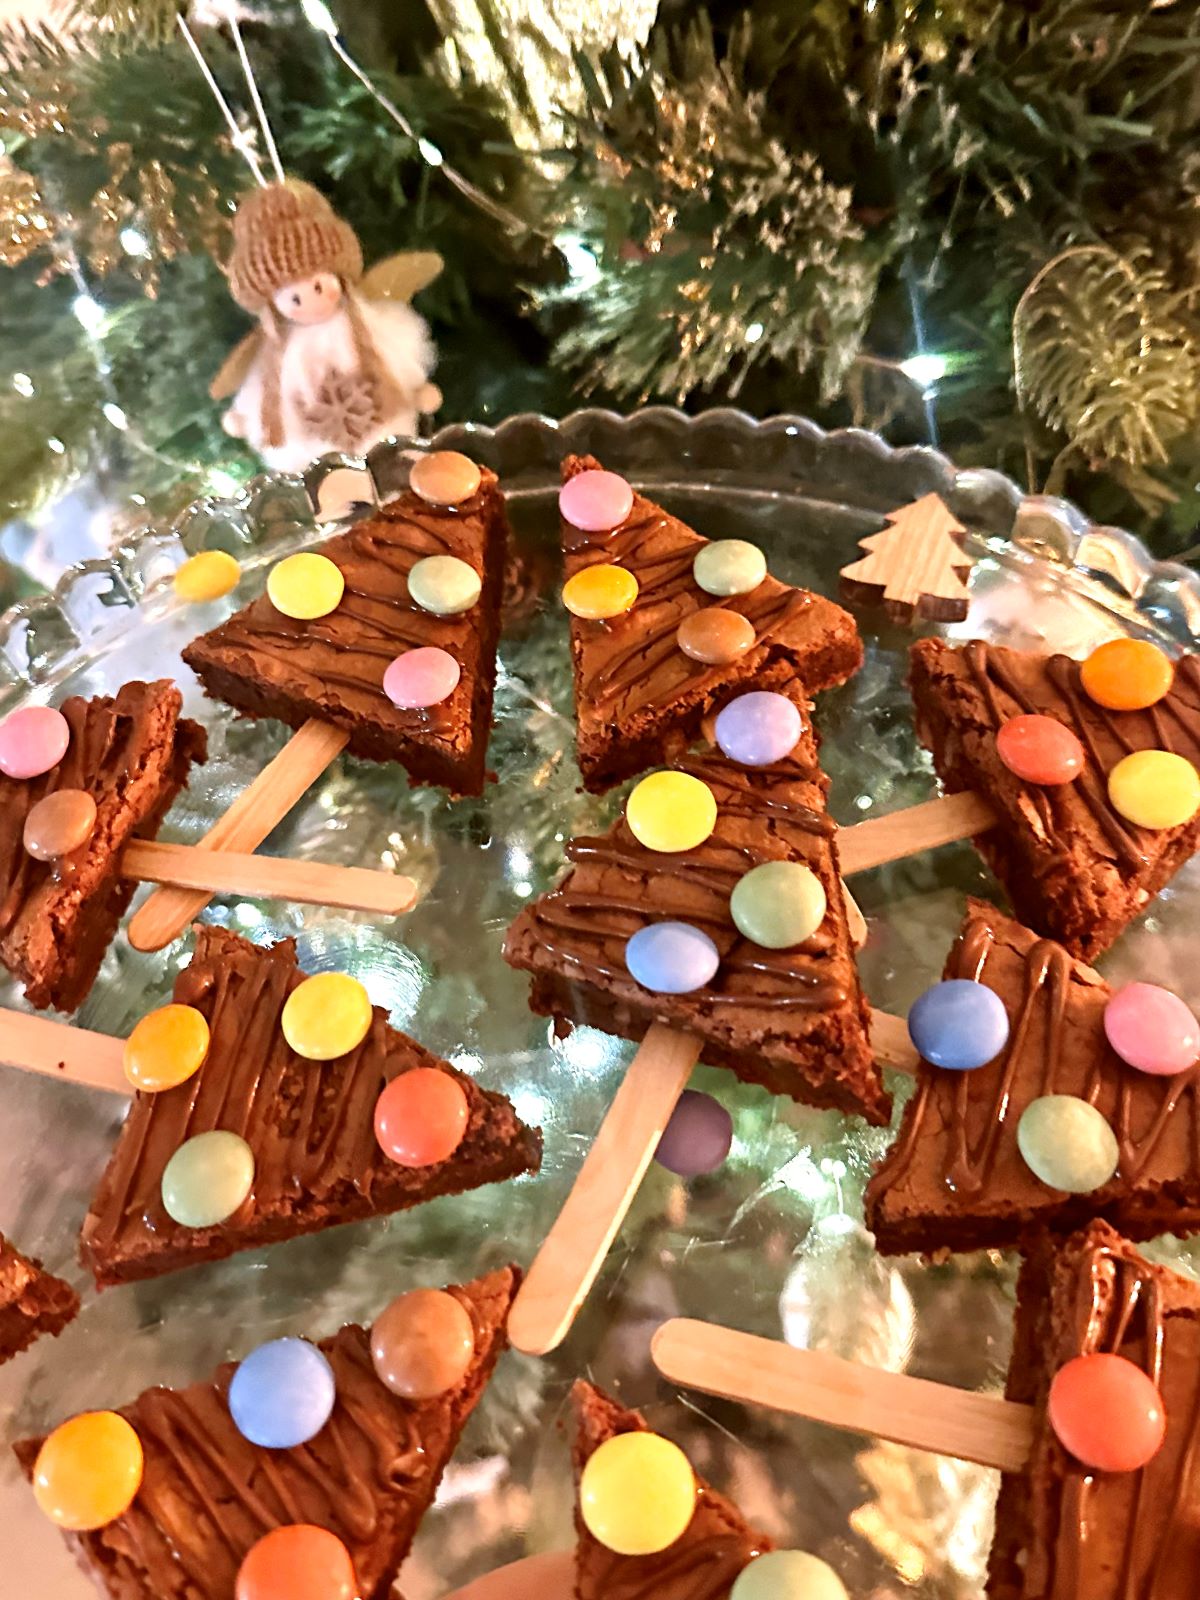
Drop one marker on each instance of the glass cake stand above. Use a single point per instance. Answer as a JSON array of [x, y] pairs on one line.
[[774, 1241]]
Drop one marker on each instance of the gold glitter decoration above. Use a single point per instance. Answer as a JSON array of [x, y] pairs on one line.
[[147, 201], [25, 225]]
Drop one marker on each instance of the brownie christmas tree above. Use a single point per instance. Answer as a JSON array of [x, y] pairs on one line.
[[32, 1301]]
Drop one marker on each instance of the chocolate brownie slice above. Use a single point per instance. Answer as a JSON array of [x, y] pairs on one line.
[[208, 1494], [702, 1564], [131, 752], [32, 1301], [793, 1020], [267, 665], [1073, 867], [1063, 1530], [310, 1126], [639, 700], [955, 1178]]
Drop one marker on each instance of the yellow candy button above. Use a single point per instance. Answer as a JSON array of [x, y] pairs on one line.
[[1127, 674], [1155, 789], [305, 586], [599, 592], [166, 1047], [637, 1494], [326, 1016], [208, 576], [88, 1471], [671, 811]]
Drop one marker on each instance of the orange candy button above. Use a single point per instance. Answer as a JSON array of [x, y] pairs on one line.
[[88, 1471], [421, 1117], [599, 592], [166, 1047], [297, 1562], [1107, 1412], [716, 636], [1127, 674]]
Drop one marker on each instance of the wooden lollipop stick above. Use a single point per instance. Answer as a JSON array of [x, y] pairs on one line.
[[38, 1045], [905, 833], [249, 820], [845, 1394], [268, 877], [548, 1577], [574, 1250]]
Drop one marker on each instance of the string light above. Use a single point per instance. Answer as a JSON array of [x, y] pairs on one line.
[[23, 384], [133, 243], [113, 413], [88, 312], [925, 370]]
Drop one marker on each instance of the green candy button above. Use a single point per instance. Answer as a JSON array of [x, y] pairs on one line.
[[788, 1575], [207, 1179], [729, 566], [778, 904], [444, 585], [1067, 1143]]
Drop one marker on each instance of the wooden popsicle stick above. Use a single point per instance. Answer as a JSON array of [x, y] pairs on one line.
[[268, 877], [845, 1394], [574, 1250], [548, 1577], [260, 806], [905, 833], [891, 1043], [59, 1051]]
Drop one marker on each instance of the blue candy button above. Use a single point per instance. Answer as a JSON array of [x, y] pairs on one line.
[[671, 957], [959, 1024], [282, 1394]]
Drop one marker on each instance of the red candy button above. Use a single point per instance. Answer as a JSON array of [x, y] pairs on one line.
[[297, 1562], [1107, 1413], [1040, 750], [421, 1117]]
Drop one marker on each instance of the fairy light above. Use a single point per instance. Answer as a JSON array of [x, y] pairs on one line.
[[112, 413], [133, 243], [23, 384], [925, 370], [87, 312]]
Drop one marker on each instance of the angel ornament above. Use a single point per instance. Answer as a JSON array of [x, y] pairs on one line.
[[340, 359]]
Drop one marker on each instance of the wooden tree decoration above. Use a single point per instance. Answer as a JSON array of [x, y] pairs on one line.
[[916, 565]]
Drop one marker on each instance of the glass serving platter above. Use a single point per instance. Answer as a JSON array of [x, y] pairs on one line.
[[774, 1241]]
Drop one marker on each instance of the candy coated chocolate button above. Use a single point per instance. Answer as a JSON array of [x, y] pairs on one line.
[[599, 592], [788, 1575], [326, 1016], [697, 1138], [1155, 789], [671, 811], [208, 576], [671, 957], [32, 741], [421, 1117], [207, 1179], [778, 904], [444, 478], [1040, 750], [422, 1345], [1107, 1412], [759, 728], [297, 1562], [729, 566], [59, 823], [420, 678], [637, 1494], [1067, 1143], [1127, 674], [958, 1024], [305, 586], [282, 1394], [88, 1471], [595, 502], [165, 1048], [444, 585], [716, 636], [1152, 1029]]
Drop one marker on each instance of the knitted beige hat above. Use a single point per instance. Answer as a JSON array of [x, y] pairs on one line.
[[282, 234]]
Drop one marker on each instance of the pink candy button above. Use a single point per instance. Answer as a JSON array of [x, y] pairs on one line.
[[1152, 1029], [1106, 1412], [1040, 750], [32, 741], [421, 678], [595, 502]]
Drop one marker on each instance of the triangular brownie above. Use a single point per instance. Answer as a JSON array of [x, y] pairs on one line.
[[701, 1565], [955, 1178], [131, 752], [639, 700], [1065, 1531], [794, 1020], [309, 1125], [268, 665], [33, 1301], [208, 1494], [1072, 866]]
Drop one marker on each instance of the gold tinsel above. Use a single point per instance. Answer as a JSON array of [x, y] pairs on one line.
[[25, 225], [146, 201]]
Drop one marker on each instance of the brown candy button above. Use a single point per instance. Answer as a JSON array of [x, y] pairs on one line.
[[59, 823], [444, 478], [423, 1344], [715, 636]]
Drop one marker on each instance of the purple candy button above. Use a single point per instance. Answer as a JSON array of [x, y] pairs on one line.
[[1152, 1029], [32, 741], [595, 502], [671, 957], [697, 1138], [759, 728], [421, 678]]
